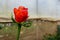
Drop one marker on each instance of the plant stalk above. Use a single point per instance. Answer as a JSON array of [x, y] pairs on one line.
[[18, 33]]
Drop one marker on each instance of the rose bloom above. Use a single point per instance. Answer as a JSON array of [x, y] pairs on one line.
[[21, 14]]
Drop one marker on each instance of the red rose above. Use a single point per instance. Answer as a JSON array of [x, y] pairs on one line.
[[21, 14]]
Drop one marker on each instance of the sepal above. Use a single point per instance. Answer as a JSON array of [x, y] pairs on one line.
[[13, 19], [27, 24]]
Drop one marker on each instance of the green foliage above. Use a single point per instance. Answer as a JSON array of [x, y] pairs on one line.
[[27, 24], [49, 37], [1, 26], [13, 19], [53, 37]]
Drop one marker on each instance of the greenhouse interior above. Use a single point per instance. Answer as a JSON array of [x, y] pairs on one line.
[[29, 19]]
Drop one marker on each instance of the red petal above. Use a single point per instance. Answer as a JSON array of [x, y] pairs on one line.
[[21, 7], [15, 10]]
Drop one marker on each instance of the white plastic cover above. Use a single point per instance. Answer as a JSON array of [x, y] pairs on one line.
[[37, 8]]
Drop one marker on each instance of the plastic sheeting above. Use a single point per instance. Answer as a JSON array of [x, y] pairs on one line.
[[37, 8], [49, 8]]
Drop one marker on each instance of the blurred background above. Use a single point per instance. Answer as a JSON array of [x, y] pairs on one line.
[[37, 8], [44, 14]]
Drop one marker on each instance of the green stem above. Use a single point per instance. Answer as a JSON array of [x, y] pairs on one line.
[[19, 29]]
